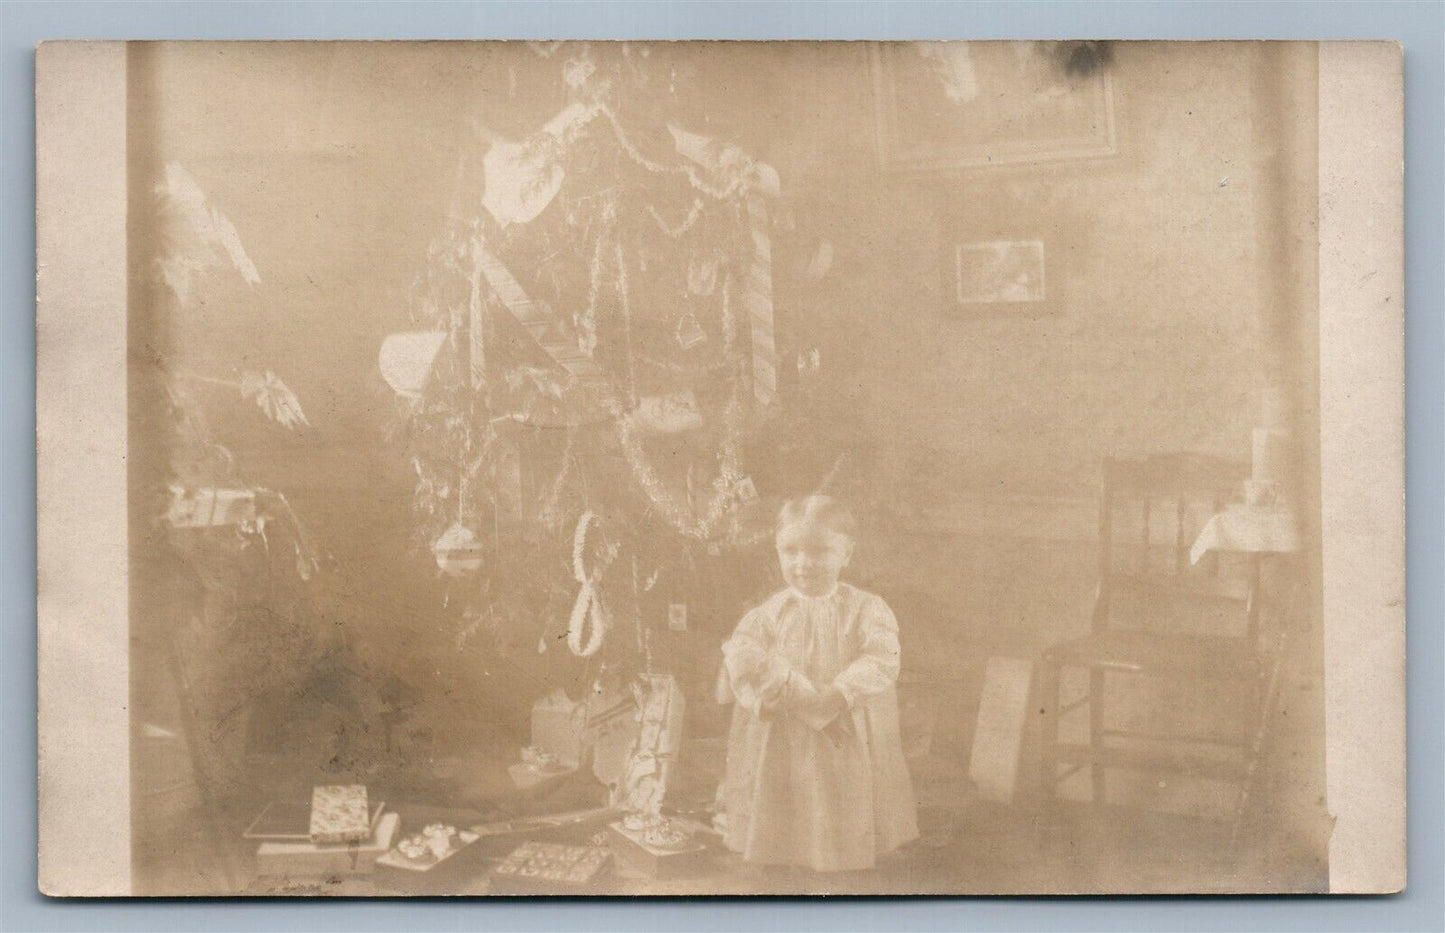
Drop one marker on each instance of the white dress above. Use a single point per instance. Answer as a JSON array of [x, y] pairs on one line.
[[795, 794]]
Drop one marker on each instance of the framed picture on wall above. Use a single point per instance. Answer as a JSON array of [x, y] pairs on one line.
[[1000, 275], [1000, 272], [942, 105]]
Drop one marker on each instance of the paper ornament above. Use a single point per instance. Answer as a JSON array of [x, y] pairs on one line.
[[406, 360], [520, 182], [197, 236], [273, 397], [667, 414], [522, 178]]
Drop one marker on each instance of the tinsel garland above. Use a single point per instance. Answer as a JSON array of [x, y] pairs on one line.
[[550, 510], [693, 176], [683, 518], [687, 223], [587, 322]]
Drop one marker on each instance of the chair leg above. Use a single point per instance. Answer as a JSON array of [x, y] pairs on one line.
[[1048, 732], [1096, 735], [1267, 695]]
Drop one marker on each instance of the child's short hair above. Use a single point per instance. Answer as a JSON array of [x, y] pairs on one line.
[[820, 509]]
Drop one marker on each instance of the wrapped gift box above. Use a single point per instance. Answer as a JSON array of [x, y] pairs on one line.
[[338, 859], [210, 507], [290, 821], [654, 749], [635, 855], [610, 732], [527, 776], [339, 813], [557, 727]]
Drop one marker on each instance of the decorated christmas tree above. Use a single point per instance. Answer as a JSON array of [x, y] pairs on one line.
[[595, 348]]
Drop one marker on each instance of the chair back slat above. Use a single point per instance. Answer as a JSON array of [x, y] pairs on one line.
[[1151, 512]]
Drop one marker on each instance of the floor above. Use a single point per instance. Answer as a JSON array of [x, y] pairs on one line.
[[968, 846]]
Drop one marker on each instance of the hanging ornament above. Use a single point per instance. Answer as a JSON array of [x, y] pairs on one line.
[[689, 331], [702, 274], [667, 414], [458, 552], [821, 262]]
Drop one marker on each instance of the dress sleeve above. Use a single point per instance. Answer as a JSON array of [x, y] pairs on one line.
[[758, 676], [875, 668]]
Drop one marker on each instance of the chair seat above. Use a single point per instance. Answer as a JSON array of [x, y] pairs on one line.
[[1203, 656], [1175, 761]]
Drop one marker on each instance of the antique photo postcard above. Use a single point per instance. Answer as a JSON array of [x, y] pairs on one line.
[[719, 468]]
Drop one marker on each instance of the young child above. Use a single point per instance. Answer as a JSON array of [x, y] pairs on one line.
[[815, 771]]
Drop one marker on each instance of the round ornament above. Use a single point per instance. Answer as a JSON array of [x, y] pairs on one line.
[[458, 552]]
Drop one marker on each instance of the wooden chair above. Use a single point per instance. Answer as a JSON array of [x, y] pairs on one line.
[[1156, 615]]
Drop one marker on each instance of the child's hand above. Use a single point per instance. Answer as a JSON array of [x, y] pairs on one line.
[[832, 704], [840, 730], [825, 711]]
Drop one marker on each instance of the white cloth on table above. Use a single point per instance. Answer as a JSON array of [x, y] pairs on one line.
[[1248, 528]]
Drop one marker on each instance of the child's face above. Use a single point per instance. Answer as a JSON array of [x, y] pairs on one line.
[[812, 557]]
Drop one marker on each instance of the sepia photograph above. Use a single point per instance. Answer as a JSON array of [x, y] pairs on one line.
[[724, 468]]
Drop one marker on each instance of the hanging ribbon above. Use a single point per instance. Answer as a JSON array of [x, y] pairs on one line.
[[476, 331], [758, 298], [538, 319], [588, 607]]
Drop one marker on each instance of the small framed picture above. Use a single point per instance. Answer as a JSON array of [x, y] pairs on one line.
[[1001, 276]]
